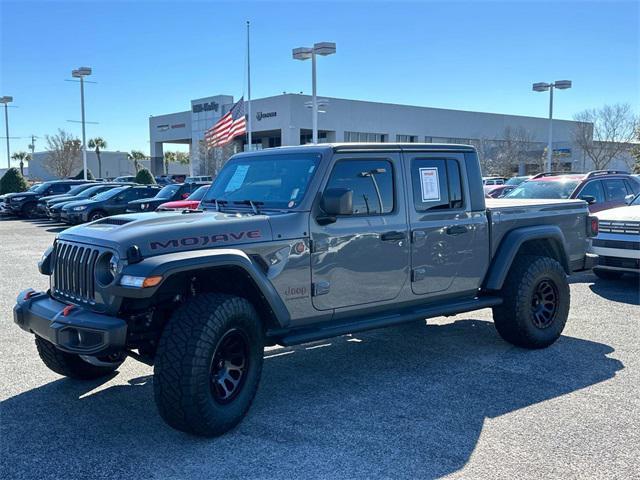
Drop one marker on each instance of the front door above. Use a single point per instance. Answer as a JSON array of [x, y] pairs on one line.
[[362, 258], [449, 242]]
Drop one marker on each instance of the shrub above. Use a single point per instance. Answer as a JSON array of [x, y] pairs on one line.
[[144, 176], [80, 175], [12, 181]]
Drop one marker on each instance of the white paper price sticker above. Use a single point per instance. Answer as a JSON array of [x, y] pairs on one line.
[[429, 184]]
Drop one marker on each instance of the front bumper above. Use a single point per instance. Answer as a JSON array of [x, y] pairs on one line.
[[72, 217], [72, 329]]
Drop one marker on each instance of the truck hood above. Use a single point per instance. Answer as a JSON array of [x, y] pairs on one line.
[[21, 194], [157, 233], [626, 213]]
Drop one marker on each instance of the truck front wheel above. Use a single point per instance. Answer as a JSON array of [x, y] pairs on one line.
[[536, 300], [75, 366], [208, 364]]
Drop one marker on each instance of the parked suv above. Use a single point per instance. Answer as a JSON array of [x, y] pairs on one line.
[[169, 193], [293, 245], [618, 242], [73, 191], [601, 189], [54, 207], [24, 204], [111, 202]]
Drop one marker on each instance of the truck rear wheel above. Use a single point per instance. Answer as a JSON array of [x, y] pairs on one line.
[[74, 366], [536, 300], [208, 364]]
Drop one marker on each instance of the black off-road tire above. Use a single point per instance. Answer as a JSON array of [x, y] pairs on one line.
[[607, 274], [69, 364], [186, 387], [531, 282]]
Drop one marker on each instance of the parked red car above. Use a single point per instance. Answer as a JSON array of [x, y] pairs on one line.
[[190, 203], [601, 189]]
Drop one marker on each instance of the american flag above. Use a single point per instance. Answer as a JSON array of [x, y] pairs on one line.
[[231, 125]]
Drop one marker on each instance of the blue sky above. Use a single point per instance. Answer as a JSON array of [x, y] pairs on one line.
[[151, 58]]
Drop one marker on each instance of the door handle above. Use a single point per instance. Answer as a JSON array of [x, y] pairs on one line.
[[456, 230], [392, 236]]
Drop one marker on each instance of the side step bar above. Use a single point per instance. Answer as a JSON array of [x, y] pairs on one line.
[[342, 327]]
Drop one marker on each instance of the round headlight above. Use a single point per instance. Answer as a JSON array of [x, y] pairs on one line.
[[107, 268]]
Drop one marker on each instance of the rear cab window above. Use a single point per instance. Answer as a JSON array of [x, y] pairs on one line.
[[436, 184]]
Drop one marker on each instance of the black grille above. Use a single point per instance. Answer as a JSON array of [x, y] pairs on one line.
[[619, 262], [74, 272], [624, 244], [607, 226]]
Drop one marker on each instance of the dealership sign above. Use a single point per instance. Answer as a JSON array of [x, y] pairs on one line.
[[165, 127], [205, 107], [261, 115]]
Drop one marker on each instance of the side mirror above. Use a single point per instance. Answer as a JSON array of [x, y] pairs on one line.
[[335, 201], [590, 199], [628, 199]]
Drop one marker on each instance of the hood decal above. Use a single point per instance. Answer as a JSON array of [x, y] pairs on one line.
[[204, 240]]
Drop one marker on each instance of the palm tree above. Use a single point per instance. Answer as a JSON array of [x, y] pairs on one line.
[[137, 156], [168, 157], [23, 157], [98, 143]]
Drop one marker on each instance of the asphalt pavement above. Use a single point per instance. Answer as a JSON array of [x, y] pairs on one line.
[[445, 398]]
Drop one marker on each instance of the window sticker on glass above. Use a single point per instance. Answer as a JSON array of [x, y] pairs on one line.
[[429, 184], [235, 182]]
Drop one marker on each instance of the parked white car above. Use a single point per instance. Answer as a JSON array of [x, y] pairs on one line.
[[618, 241]]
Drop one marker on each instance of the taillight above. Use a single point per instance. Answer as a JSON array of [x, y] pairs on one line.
[[593, 226]]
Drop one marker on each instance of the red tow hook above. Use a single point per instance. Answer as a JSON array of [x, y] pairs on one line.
[[67, 310], [29, 294]]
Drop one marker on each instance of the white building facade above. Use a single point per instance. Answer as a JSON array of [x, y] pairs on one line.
[[286, 120]]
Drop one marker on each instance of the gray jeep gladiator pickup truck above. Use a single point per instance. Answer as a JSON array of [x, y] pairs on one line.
[[292, 245]]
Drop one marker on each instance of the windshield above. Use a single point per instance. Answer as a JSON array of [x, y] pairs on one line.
[[199, 193], [34, 187], [77, 189], [90, 192], [515, 180], [42, 187], [168, 191], [559, 189], [109, 193], [277, 181]]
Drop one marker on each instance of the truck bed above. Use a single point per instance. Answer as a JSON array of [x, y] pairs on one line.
[[505, 214]]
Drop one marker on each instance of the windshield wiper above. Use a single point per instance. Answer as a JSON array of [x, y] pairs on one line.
[[215, 201], [253, 204]]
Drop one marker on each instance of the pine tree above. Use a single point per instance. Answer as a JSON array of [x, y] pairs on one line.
[[144, 177], [12, 182]]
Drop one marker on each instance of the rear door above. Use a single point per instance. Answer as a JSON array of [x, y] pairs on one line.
[[449, 242], [362, 258]]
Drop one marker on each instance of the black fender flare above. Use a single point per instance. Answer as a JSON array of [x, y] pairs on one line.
[[173, 263], [511, 243]]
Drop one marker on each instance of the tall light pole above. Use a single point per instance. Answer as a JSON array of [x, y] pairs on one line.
[[304, 53], [81, 73], [543, 87], [6, 100]]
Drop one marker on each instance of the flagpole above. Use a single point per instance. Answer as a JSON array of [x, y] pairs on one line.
[[249, 91]]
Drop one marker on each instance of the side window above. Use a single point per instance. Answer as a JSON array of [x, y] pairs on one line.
[[593, 189], [436, 184], [632, 187], [615, 189], [371, 182]]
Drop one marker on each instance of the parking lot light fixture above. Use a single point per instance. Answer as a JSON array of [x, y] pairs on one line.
[[305, 53], [543, 87], [81, 73], [6, 100]]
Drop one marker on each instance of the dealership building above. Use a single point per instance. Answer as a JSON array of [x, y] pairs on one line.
[[286, 120]]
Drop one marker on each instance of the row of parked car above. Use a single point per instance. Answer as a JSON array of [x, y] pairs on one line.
[[79, 201], [613, 196]]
